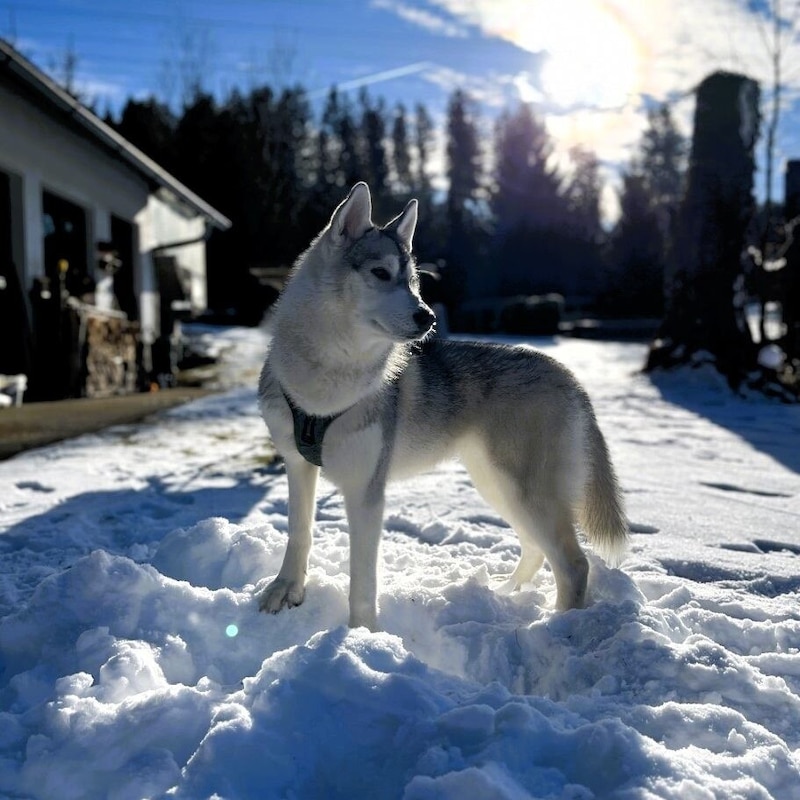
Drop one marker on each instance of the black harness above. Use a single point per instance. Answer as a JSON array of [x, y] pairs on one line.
[[309, 431]]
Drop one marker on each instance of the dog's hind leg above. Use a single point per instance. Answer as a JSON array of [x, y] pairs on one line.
[[499, 493], [288, 588], [530, 562], [544, 524], [554, 530], [546, 530]]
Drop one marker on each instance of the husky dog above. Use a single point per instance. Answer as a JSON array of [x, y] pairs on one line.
[[353, 383]]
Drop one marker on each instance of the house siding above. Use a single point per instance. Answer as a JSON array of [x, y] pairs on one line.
[[42, 152], [43, 155]]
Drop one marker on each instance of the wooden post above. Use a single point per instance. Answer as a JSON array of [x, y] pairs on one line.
[[710, 237], [791, 294]]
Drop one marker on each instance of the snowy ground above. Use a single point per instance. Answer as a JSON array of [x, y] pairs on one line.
[[134, 663]]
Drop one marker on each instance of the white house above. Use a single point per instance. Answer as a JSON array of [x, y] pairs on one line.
[[90, 228]]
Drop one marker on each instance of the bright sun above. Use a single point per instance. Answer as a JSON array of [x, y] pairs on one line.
[[593, 58]]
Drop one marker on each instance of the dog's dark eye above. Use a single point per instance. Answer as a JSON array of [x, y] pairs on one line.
[[382, 274]]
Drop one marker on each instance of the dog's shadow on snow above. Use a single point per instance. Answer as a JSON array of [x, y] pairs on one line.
[[128, 521], [769, 426]]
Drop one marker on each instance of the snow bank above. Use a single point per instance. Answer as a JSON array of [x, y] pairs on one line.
[[134, 662]]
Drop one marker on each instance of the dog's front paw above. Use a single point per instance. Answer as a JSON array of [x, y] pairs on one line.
[[281, 592]]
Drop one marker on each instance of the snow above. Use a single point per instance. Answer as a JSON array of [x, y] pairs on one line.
[[134, 663]]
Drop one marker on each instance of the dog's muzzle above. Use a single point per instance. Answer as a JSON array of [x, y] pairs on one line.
[[424, 319]]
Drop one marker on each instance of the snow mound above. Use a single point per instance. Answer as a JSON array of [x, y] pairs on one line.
[[216, 554], [134, 662]]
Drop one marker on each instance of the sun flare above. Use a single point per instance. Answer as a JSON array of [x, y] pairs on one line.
[[591, 61], [592, 57]]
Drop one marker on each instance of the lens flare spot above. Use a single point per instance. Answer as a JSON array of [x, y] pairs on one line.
[[231, 631]]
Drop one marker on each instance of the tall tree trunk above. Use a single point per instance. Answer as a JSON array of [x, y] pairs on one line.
[[710, 238], [791, 294]]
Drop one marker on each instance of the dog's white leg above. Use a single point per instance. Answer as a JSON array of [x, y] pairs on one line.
[[544, 524], [550, 533], [530, 562], [502, 494], [289, 587], [365, 517]]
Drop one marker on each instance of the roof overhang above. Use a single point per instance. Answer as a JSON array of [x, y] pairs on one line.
[[22, 70]]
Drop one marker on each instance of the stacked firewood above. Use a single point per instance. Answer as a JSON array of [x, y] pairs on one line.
[[110, 355]]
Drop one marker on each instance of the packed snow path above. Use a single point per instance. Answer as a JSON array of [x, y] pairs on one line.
[[134, 662]]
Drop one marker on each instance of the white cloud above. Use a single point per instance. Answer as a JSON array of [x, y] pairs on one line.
[[606, 57], [490, 91], [94, 89], [672, 44], [421, 17]]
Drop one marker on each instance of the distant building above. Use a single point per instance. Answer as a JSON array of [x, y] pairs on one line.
[[101, 250]]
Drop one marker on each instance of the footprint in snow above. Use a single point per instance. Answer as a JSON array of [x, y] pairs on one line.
[[729, 487], [743, 547], [762, 546], [769, 546], [34, 486], [638, 527], [487, 519]]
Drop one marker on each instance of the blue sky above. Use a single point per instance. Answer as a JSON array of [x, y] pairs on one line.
[[592, 66]]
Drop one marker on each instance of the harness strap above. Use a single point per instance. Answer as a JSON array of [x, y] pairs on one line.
[[309, 431]]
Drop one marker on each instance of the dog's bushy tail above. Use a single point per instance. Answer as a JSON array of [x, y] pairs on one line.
[[601, 514]]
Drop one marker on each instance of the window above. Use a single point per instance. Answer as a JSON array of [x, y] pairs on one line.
[[65, 245]]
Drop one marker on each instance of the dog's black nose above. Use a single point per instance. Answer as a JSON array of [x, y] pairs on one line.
[[424, 318]]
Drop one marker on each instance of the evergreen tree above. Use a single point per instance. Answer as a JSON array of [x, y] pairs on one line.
[[199, 158], [351, 168], [263, 170], [285, 149], [635, 254], [583, 195], [328, 143], [401, 154], [338, 146], [208, 146], [149, 125], [643, 237], [327, 161], [431, 235], [424, 143], [463, 161], [373, 137], [527, 188], [464, 241], [532, 252], [423, 139], [662, 163], [583, 247]]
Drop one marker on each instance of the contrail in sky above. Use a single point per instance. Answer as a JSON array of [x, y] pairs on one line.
[[377, 77]]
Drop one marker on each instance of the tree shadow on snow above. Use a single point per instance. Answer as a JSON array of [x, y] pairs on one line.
[[769, 426]]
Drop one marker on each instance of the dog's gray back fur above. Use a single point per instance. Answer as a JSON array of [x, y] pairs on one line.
[[515, 400], [346, 342]]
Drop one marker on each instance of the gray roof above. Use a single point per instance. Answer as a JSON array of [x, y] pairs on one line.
[[19, 68]]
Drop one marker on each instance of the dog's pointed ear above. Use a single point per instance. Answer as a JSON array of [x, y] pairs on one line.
[[353, 217], [404, 225]]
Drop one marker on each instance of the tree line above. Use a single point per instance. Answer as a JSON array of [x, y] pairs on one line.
[[507, 220]]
